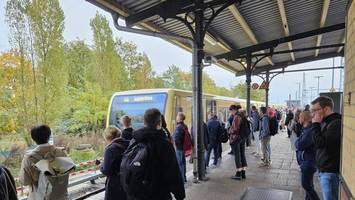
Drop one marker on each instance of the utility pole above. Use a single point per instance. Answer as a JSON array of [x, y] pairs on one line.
[[333, 89], [311, 88], [299, 90], [318, 77], [303, 90]]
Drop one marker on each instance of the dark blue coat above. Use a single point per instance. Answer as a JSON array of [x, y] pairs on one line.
[[111, 168], [214, 131], [179, 136], [306, 149]]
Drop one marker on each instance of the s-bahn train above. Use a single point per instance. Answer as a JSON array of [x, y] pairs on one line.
[[169, 101]]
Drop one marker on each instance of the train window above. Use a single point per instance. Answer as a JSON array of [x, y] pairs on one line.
[[135, 106]]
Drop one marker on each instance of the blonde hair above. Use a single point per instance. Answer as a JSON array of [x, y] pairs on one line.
[[306, 115], [180, 116], [111, 133], [126, 121]]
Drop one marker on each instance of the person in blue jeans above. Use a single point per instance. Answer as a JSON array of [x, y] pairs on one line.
[[214, 133], [326, 127], [306, 155], [179, 139]]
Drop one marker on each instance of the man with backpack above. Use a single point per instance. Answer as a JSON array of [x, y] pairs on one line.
[[183, 143], [149, 169], [46, 168], [265, 137], [7, 185]]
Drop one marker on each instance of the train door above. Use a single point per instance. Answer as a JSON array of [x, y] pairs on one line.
[[211, 107], [183, 104]]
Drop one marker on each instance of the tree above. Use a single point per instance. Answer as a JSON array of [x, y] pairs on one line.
[[108, 69], [175, 78], [47, 25], [17, 19]]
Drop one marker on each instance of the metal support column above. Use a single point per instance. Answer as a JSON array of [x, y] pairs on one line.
[[267, 82], [197, 91], [248, 73]]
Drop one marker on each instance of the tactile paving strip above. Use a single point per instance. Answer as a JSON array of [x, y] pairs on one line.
[[266, 194]]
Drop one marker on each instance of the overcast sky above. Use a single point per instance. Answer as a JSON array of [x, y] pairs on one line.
[[162, 54]]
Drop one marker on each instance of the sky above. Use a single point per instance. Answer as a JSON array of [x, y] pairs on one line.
[[163, 54]]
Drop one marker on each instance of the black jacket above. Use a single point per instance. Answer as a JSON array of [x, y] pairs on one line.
[[179, 136], [167, 174], [127, 133], [306, 150], [111, 168], [7, 184], [327, 138], [289, 117]]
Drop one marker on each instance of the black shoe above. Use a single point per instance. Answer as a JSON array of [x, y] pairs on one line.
[[243, 174], [237, 176]]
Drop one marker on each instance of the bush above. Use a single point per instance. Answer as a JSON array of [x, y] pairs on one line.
[[82, 156]]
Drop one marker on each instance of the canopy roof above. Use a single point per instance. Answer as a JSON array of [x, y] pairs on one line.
[[291, 30]]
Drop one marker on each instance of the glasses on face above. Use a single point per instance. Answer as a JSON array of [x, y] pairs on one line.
[[316, 110]]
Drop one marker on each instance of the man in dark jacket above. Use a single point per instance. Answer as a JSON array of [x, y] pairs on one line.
[[289, 117], [179, 141], [112, 161], [214, 133], [265, 137], [127, 127], [166, 176], [326, 127]]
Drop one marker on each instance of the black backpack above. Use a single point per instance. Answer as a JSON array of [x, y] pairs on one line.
[[7, 185], [244, 128], [136, 172], [273, 126]]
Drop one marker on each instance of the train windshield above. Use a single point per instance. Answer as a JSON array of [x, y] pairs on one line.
[[135, 106]]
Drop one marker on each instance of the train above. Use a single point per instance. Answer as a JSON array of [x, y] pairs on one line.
[[169, 101]]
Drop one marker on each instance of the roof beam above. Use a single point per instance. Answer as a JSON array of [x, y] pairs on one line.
[[238, 16], [341, 48], [280, 65], [115, 7], [168, 9], [273, 43], [282, 10], [322, 22]]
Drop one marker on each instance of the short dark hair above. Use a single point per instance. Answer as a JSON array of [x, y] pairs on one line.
[[253, 107], [234, 107], [263, 110], [324, 101], [152, 117], [40, 134]]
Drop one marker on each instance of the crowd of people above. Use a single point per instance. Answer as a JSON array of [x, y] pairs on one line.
[[150, 163]]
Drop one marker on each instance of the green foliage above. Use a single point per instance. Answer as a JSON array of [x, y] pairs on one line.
[[240, 91], [81, 156]]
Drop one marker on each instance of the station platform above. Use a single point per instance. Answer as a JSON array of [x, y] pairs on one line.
[[283, 174]]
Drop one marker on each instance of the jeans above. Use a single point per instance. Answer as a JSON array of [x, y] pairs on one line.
[[329, 183], [239, 153], [248, 140], [208, 154], [257, 142], [266, 148], [307, 183], [220, 150], [180, 156]]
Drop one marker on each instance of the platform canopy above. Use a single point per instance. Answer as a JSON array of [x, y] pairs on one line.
[[284, 32]]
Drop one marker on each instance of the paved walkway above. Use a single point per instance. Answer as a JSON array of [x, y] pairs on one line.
[[282, 174]]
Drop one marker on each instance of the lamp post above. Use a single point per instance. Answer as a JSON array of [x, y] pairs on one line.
[[311, 88], [318, 77]]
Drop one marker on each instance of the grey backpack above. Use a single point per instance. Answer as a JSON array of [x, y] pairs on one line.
[[50, 186]]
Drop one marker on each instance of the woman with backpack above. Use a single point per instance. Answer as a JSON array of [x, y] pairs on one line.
[[240, 129], [112, 161]]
